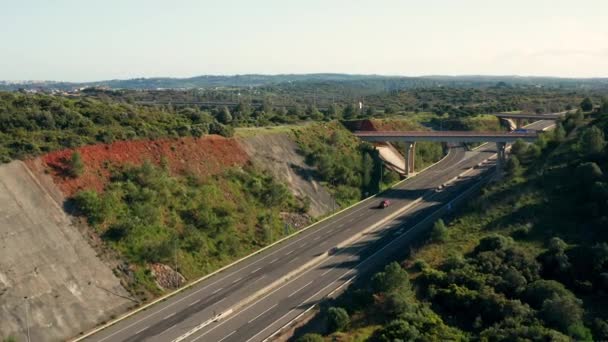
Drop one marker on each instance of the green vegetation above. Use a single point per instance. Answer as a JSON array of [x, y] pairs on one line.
[[526, 260], [35, 124], [349, 168], [149, 216], [75, 165]]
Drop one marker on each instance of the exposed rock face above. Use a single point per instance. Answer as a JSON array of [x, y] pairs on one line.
[[47, 269], [278, 154]]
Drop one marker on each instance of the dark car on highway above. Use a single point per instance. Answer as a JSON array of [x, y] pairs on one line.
[[384, 204]]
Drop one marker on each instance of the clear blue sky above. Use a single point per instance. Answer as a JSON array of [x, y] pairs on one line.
[[93, 40]]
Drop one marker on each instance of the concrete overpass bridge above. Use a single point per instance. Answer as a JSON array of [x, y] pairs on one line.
[[516, 120], [411, 137]]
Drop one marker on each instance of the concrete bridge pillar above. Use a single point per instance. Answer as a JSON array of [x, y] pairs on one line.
[[410, 154], [518, 123], [501, 149]]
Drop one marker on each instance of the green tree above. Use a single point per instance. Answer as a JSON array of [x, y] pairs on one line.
[[592, 140], [337, 319], [392, 278], [398, 330], [76, 165], [439, 232], [310, 338], [224, 116], [350, 112], [559, 133], [586, 105], [562, 312], [513, 166]]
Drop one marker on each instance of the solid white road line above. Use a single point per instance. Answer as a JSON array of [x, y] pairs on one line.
[[298, 290], [225, 337], [196, 301], [142, 329], [257, 269], [218, 290], [329, 270], [169, 315], [265, 311]]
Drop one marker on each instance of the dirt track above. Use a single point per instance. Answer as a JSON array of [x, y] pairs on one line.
[[44, 258]]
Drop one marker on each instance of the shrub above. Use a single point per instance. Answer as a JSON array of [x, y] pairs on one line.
[[75, 165], [310, 338], [337, 319], [392, 278], [439, 232]]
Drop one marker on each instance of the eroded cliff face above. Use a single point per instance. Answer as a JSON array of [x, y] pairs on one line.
[[50, 277], [277, 153]]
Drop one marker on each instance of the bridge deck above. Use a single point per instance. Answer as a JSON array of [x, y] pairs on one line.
[[444, 136]]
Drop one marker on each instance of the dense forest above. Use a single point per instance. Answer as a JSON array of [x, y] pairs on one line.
[[526, 260]]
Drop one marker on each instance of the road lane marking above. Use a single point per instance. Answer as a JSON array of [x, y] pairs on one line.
[[218, 290], [273, 260], [291, 251], [236, 280], [194, 302], [225, 337], [294, 259], [140, 330], [317, 238], [169, 315], [329, 270], [298, 290], [257, 269], [220, 300], [265, 311], [302, 245]]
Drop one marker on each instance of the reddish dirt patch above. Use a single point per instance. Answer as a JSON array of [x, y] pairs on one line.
[[201, 156]]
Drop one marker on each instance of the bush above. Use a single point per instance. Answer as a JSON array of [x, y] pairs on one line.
[[562, 312], [393, 277], [310, 338], [76, 165], [337, 319], [439, 232], [398, 330]]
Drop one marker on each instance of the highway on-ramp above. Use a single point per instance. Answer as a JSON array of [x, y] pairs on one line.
[[254, 298]]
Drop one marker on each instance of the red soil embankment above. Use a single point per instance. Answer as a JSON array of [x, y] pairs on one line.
[[201, 156]]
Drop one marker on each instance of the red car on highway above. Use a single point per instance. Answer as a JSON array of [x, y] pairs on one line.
[[384, 204]]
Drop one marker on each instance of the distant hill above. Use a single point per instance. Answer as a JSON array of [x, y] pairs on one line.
[[377, 82]]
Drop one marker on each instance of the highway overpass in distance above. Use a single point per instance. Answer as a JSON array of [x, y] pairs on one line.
[[411, 137], [445, 136], [255, 298]]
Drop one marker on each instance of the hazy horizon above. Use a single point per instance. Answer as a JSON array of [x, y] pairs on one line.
[[76, 42]]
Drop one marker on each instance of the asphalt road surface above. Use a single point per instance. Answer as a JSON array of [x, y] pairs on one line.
[[192, 314]]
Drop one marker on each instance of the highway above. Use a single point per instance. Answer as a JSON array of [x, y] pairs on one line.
[[261, 294]]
